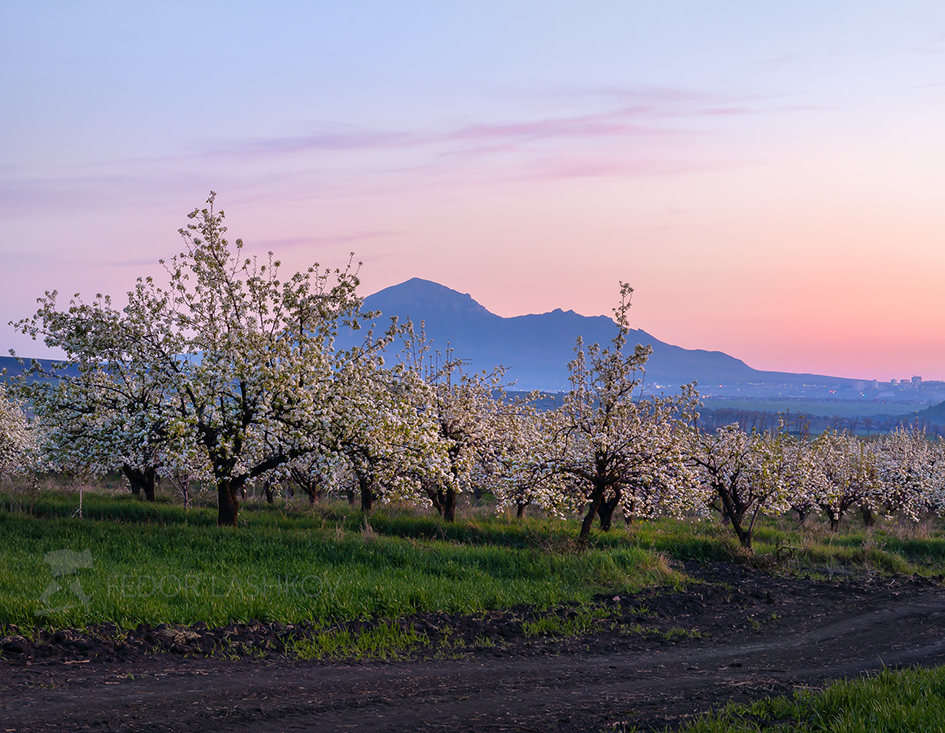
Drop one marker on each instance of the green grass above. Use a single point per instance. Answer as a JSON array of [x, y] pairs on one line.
[[178, 567], [581, 620], [780, 545], [157, 563], [384, 641], [908, 700]]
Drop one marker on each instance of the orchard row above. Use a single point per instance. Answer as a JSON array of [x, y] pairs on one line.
[[229, 375]]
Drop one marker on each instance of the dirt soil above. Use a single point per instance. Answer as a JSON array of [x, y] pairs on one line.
[[656, 660]]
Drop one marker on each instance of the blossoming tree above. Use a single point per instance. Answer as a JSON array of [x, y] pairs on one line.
[[607, 439], [104, 406], [230, 357], [19, 449]]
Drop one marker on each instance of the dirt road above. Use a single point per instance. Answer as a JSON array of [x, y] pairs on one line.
[[739, 635]]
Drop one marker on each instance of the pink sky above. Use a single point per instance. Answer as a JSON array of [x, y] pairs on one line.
[[769, 179]]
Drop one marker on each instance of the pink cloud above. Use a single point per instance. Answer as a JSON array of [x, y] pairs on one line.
[[637, 117]]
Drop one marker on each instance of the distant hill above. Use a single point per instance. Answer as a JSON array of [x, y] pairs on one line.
[[934, 414], [537, 348], [13, 367]]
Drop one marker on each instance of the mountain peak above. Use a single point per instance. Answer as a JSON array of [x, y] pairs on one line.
[[418, 299], [536, 348]]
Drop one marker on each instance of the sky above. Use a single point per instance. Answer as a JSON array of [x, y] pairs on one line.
[[769, 177]]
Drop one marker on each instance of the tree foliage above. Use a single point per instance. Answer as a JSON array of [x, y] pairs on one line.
[[19, 445], [226, 356], [608, 441], [104, 405]]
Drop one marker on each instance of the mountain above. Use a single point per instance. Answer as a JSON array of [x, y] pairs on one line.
[[538, 347], [11, 366]]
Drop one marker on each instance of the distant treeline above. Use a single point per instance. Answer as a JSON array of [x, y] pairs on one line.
[[800, 424], [762, 420]]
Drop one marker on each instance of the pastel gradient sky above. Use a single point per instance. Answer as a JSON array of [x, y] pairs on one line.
[[770, 177]]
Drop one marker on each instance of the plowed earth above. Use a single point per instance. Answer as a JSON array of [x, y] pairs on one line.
[[659, 658]]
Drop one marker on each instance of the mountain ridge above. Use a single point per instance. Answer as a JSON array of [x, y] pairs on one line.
[[537, 347]]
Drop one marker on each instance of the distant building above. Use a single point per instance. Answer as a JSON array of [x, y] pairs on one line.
[[916, 381]]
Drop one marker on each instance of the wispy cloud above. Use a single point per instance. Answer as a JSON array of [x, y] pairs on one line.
[[608, 124], [779, 61], [627, 166], [628, 113], [595, 131]]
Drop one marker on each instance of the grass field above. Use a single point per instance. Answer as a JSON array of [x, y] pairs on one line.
[[891, 702], [158, 563]]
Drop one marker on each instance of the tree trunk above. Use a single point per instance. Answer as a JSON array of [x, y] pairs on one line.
[[869, 519], [367, 495], [228, 505], [734, 511], [833, 516], [312, 487], [270, 494], [141, 481], [444, 501], [596, 500], [520, 509], [605, 512], [449, 508], [312, 490], [438, 500], [744, 536]]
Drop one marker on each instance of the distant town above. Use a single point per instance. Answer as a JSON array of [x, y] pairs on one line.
[[913, 390]]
